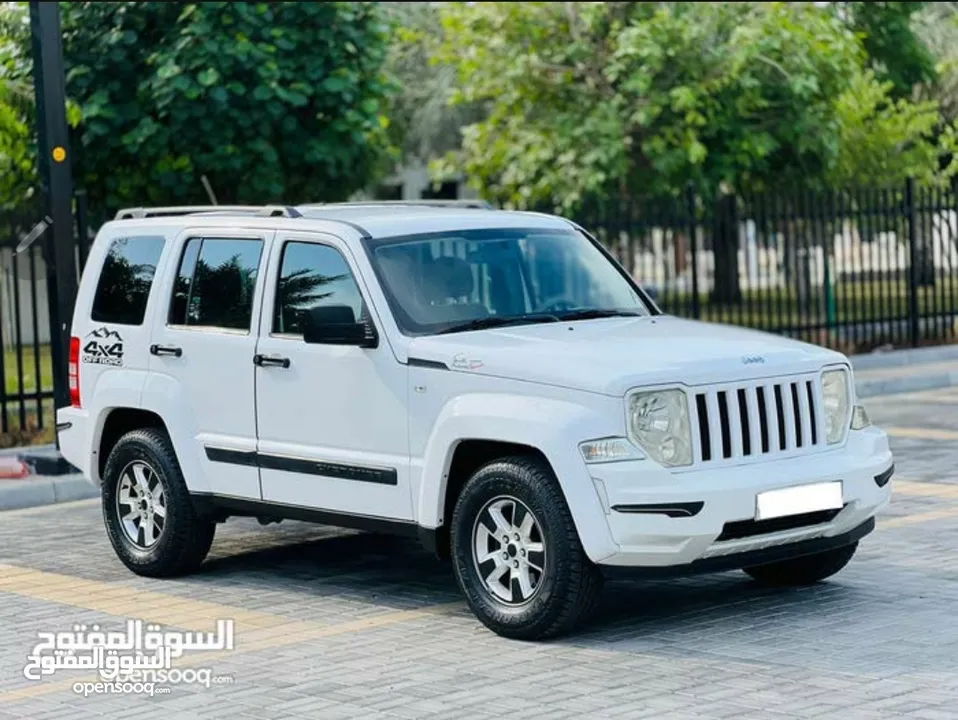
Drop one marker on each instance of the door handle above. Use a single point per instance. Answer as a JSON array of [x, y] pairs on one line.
[[166, 350], [270, 361]]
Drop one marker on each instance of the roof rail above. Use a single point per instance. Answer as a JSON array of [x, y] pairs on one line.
[[173, 210], [478, 204]]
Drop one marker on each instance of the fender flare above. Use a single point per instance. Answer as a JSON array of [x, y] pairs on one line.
[[554, 427], [164, 395], [112, 391]]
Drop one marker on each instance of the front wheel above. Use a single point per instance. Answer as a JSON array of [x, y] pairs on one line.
[[805, 570], [517, 555]]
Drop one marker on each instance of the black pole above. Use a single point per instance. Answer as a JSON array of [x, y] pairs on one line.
[[910, 203], [53, 153], [690, 206]]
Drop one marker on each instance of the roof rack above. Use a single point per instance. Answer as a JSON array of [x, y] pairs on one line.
[[477, 204], [257, 210]]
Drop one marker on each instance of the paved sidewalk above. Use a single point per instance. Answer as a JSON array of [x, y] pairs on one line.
[[336, 624]]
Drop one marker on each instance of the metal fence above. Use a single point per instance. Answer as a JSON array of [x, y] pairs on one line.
[[26, 371], [852, 270]]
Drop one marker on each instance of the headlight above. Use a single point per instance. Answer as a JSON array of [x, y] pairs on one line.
[[860, 419], [659, 424], [835, 397]]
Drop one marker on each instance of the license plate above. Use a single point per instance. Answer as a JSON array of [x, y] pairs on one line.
[[797, 500]]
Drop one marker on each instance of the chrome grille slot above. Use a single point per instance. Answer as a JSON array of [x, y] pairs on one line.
[[748, 421]]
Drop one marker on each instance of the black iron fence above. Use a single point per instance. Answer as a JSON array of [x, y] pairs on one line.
[[27, 413], [852, 270]]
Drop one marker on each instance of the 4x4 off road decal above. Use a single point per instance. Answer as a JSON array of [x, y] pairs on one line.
[[103, 347]]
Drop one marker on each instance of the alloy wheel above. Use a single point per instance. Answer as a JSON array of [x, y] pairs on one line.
[[509, 550]]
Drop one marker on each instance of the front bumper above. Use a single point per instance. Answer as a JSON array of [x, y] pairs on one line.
[[704, 519]]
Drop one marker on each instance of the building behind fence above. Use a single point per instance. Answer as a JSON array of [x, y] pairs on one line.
[[852, 270]]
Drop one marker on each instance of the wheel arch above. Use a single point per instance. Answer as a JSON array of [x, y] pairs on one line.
[[466, 457], [474, 430], [116, 423]]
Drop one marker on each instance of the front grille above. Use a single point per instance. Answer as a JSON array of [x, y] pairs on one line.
[[750, 528], [751, 420]]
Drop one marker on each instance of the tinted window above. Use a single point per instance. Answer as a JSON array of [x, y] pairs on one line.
[[126, 279], [438, 281], [312, 275], [216, 282]]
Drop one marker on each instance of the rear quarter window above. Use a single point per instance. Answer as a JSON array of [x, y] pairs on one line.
[[126, 278]]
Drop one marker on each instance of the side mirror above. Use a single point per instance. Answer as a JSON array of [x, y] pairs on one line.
[[336, 325]]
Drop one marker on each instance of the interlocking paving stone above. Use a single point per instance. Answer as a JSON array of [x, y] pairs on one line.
[[877, 641]]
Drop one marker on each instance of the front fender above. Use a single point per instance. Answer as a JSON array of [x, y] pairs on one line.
[[554, 427]]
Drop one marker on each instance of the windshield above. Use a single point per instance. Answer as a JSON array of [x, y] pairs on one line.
[[467, 280]]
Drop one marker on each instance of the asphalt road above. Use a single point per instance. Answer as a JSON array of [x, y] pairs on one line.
[[332, 624]]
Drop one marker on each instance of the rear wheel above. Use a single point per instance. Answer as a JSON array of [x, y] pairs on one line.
[[805, 570], [516, 552], [147, 508]]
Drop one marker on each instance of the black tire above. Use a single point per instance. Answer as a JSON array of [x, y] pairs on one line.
[[185, 538], [805, 570], [569, 585]]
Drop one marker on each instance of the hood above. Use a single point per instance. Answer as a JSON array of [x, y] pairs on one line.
[[613, 355]]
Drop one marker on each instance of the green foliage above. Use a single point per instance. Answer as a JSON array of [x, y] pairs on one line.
[[423, 122], [272, 102], [937, 27], [17, 174], [640, 98], [884, 139], [895, 51]]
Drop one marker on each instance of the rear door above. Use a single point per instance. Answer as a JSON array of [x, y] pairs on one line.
[[203, 346]]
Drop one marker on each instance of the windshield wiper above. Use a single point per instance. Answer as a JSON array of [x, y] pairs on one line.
[[594, 313], [494, 321]]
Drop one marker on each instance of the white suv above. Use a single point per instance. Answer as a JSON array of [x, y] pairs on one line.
[[492, 382]]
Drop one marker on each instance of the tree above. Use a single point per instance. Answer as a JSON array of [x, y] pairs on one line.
[[638, 98], [423, 122], [896, 53], [884, 140], [17, 173], [937, 27], [223, 292], [272, 102], [634, 100]]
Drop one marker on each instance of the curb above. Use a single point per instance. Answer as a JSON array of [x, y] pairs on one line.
[[866, 388], [46, 460], [45, 490], [909, 356]]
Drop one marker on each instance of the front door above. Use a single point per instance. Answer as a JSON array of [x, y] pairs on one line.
[[202, 351], [331, 419]]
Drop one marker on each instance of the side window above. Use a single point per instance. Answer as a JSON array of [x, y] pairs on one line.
[[126, 279], [215, 284], [311, 275]]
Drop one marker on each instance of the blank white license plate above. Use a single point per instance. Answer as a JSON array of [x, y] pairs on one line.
[[797, 500]]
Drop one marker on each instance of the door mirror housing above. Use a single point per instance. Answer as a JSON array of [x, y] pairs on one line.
[[336, 325]]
